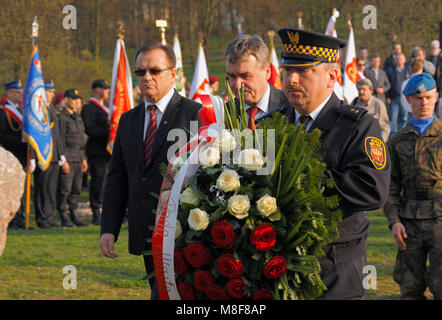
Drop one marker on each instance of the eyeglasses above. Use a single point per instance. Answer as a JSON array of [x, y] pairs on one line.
[[361, 64], [153, 72]]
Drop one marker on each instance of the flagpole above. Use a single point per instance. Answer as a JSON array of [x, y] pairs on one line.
[[34, 36]]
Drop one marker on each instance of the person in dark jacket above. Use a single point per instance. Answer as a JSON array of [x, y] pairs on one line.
[[95, 115], [72, 132]]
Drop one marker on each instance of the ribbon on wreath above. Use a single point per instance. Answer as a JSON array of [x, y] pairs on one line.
[[163, 238]]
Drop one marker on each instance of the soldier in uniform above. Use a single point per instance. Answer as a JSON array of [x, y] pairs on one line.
[[414, 206], [11, 118], [95, 117], [351, 147], [46, 182], [72, 132]]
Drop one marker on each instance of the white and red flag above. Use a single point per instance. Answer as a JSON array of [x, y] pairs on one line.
[[331, 31], [200, 81], [351, 75], [121, 95], [179, 86], [275, 78]]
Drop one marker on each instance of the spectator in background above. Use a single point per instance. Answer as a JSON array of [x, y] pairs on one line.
[[363, 54], [397, 75], [418, 52], [59, 102], [434, 56], [374, 106], [214, 84], [360, 66], [378, 77], [389, 62], [416, 66]]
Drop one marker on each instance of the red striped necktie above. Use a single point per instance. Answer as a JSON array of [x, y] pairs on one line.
[[149, 139], [252, 111]]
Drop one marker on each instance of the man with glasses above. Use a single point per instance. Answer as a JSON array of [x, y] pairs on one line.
[[141, 146]]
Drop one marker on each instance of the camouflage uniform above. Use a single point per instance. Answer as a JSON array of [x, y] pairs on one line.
[[417, 171]]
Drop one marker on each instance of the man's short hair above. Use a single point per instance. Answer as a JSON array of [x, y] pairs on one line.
[[156, 45], [416, 64], [245, 45], [365, 82], [375, 55]]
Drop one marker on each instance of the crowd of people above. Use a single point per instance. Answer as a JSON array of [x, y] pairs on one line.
[[403, 175]]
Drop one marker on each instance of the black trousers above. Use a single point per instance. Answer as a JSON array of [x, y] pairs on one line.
[[98, 168], [45, 193], [70, 187], [19, 220], [148, 265]]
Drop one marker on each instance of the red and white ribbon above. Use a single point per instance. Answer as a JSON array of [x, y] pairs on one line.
[[14, 113]]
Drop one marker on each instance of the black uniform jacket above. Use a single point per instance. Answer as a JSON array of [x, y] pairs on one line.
[[73, 137], [97, 129], [129, 182], [356, 160], [11, 138]]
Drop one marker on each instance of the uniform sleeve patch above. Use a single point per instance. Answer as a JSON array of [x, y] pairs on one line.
[[375, 150]]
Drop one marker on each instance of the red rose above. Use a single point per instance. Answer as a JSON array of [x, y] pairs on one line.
[[179, 263], [202, 280], [197, 255], [263, 238], [215, 292], [229, 266], [185, 290], [223, 235], [235, 288], [274, 268], [263, 294]]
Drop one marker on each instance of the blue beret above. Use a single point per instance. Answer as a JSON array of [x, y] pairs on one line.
[[420, 82], [13, 85], [49, 86]]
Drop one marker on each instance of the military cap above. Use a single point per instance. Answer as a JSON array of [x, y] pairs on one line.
[[16, 85], [419, 83], [100, 83], [73, 94], [49, 86], [305, 49], [58, 98]]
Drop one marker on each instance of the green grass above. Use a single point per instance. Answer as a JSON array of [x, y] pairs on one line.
[[32, 264]]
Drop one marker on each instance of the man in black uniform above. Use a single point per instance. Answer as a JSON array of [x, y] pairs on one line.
[[95, 117], [11, 118], [46, 182], [351, 146], [72, 132]]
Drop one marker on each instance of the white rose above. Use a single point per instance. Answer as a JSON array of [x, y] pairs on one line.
[[187, 196], [228, 180], [178, 230], [165, 196], [177, 163], [250, 159], [198, 219], [239, 206], [266, 205], [226, 142], [209, 156]]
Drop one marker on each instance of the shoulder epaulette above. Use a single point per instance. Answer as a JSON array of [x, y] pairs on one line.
[[352, 111]]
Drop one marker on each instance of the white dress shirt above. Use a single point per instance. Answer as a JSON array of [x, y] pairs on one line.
[[314, 114], [263, 105], [161, 106]]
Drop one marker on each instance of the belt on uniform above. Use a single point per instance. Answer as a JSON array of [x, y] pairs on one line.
[[422, 194]]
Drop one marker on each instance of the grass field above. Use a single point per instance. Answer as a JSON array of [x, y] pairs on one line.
[[32, 264]]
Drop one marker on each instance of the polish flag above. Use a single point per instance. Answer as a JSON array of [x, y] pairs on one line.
[[331, 31], [275, 78], [351, 75], [121, 95], [200, 81]]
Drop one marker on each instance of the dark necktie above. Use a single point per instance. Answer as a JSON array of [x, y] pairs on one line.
[[151, 131], [252, 111], [304, 119]]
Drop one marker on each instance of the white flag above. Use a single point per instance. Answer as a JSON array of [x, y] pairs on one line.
[[351, 75], [331, 31], [200, 81], [179, 86]]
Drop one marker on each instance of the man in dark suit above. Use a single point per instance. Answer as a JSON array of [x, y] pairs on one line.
[[351, 146], [247, 65], [95, 115], [139, 149], [378, 77]]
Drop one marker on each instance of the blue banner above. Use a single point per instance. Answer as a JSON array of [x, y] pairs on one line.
[[36, 122]]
